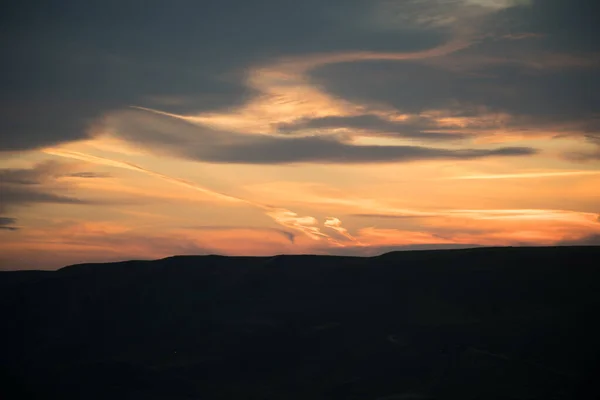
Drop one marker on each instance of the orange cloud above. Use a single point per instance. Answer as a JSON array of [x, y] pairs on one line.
[[287, 94], [528, 175], [336, 225], [282, 216]]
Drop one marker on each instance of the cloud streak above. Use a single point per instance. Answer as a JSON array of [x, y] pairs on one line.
[[491, 214], [290, 236], [282, 216], [527, 175]]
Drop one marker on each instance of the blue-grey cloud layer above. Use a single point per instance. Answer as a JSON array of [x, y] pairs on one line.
[[68, 63], [551, 75], [517, 90]]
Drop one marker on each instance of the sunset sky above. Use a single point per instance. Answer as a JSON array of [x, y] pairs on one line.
[[143, 129]]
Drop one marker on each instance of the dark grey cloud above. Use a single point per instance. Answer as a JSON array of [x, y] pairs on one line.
[[550, 75], [177, 137], [7, 224], [569, 25], [66, 63], [419, 128], [545, 95], [43, 172], [269, 150], [13, 195], [25, 186], [31, 176], [7, 221]]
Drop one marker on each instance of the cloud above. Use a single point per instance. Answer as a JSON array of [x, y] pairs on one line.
[[90, 175], [269, 150], [412, 128], [458, 15], [133, 167], [566, 216], [336, 225], [516, 90], [39, 184], [45, 171], [486, 227], [15, 196], [591, 154], [7, 223], [290, 236], [36, 249], [282, 216], [540, 83], [68, 76], [174, 135], [389, 216], [523, 35], [39, 173], [568, 25], [526, 175], [590, 240]]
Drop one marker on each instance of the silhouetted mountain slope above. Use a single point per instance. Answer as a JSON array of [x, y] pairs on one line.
[[487, 323]]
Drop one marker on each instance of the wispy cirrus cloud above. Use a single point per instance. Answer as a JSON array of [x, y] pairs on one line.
[[528, 175], [305, 224]]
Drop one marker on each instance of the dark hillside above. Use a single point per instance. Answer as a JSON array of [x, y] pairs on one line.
[[486, 323]]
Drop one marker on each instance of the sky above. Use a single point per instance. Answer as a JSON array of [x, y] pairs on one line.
[[144, 129]]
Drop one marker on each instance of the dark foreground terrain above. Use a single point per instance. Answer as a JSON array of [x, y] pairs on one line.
[[497, 323]]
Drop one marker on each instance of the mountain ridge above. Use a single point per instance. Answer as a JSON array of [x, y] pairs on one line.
[[465, 323]]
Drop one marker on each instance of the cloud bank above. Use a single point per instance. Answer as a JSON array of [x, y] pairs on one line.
[[174, 135]]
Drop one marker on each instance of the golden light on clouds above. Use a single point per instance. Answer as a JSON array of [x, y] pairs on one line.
[[488, 138]]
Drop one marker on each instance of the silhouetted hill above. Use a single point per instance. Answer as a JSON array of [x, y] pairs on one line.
[[486, 323]]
